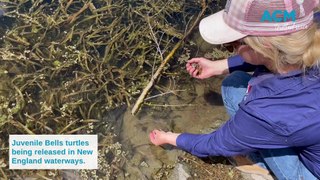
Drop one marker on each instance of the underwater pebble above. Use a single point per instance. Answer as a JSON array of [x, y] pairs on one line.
[[144, 164]]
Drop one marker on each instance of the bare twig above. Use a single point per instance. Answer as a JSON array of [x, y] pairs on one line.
[[155, 39], [21, 126], [163, 94], [3, 174], [166, 60], [169, 105]]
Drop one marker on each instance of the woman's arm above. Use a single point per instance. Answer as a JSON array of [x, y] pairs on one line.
[[203, 68], [237, 63], [242, 134]]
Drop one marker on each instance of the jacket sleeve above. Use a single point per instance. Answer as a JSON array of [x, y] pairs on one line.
[[236, 63], [317, 17], [240, 135]]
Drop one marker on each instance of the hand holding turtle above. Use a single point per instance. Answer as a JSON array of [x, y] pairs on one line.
[[202, 68]]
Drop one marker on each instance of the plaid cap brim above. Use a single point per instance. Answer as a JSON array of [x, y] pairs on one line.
[[214, 30]]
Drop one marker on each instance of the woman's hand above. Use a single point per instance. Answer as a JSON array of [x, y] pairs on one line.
[[202, 68], [158, 137]]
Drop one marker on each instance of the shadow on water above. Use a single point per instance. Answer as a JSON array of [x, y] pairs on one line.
[[213, 98]]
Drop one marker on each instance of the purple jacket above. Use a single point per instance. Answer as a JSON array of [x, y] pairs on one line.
[[280, 111]]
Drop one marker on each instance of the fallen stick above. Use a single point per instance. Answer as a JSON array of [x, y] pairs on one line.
[[168, 57]]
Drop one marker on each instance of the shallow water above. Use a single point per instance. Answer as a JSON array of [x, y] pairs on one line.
[[205, 114]]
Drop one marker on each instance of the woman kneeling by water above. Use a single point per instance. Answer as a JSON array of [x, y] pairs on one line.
[[274, 112]]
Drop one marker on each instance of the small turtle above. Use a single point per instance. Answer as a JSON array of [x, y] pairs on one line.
[[197, 67]]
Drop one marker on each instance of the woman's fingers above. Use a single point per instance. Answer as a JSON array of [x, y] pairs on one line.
[[195, 73], [194, 60], [151, 136], [191, 71], [195, 66], [189, 68], [188, 65]]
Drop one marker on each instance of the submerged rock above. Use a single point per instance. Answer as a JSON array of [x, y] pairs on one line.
[[71, 174], [180, 172]]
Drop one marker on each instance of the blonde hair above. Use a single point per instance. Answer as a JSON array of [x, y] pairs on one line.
[[301, 49]]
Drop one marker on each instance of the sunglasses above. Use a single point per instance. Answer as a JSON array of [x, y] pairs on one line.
[[233, 46]]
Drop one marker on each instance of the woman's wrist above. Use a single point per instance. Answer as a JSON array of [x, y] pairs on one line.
[[172, 138], [220, 67]]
